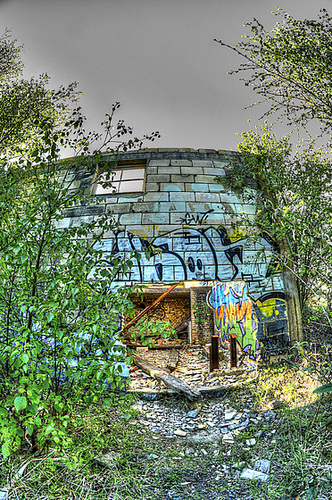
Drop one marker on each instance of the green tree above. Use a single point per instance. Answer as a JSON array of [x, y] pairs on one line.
[[59, 315], [290, 67], [25, 103]]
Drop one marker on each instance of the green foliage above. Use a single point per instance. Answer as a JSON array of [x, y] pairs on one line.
[[155, 328], [293, 203], [58, 316], [290, 67]]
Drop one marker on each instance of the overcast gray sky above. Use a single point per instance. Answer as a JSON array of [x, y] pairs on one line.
[[157, 57]]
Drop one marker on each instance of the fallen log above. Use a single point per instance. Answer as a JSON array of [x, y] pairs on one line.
[[169, 380], [173, 359]]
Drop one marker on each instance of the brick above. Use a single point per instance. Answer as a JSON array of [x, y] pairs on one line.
[[221, 164], [151, 186], [191, 170], [207, 197], [182, 178], [168, 170], [155, 196], [143, 207], [172, 206], [214, 171], [158, 178], [175, 196], [159, 163], [151, 170], [206, 179], [204, 188], [174, 186], [202, 163], [155, 218], [130, 219], [175, 217], [165, 228], [181, 163], [121, 208], [229, 198]]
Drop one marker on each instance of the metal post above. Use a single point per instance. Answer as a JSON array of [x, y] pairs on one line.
[[233, 350], [214, 353]]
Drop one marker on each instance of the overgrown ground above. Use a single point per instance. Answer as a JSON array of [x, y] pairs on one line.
[[139, 464]]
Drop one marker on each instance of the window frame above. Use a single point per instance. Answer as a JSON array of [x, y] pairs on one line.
[[120, 167]]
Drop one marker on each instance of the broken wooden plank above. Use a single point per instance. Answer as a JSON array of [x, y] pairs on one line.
[[173, 359], [183, 326], [169, 380]]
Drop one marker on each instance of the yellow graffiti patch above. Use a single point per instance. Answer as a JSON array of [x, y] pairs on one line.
[[237, 234], [268, 307]]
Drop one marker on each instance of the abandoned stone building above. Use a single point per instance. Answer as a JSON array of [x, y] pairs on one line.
[[168, 201]]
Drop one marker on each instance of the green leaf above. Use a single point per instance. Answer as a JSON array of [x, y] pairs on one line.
[[324, 388], [20, 403], [5, 450]]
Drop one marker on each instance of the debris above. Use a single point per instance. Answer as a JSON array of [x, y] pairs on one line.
[[173, 359], [169, 380], [251, 442], [263, 465], [179, 432], [254, 474], [230, 414], [193, 413]]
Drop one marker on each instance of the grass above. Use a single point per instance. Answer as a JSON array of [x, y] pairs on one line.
[[140, 464]]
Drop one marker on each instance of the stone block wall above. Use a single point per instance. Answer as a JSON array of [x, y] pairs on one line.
[[192, 226]]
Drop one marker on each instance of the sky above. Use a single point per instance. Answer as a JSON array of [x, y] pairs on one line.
[[157, 57]]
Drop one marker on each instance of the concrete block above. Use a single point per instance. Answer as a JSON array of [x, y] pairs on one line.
[[130, 219], [216, 188], [176, 206], [205, 179], [203, 188], [143, 207], [182, 178], [158, 178], [174, 186], [175, 217], [121, 208], [168, 170], [156, 196], [165, 229], [187, 196], [155, 218], [181, 163], [202, 163], [159, 163], [207, 197], [229, 198], [151, 170], [151, 186], [215, 171], [191, 170]]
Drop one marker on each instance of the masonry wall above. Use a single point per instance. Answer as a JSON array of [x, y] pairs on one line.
[[187, 220]]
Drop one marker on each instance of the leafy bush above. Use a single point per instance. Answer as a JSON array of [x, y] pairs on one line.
[[58, 317]]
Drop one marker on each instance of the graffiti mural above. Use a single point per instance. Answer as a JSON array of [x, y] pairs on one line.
[[202, 252], [272, 331], [235, 314]]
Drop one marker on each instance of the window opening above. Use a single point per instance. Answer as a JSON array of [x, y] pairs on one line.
[[124, 180]]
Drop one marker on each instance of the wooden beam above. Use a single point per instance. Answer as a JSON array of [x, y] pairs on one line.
[[169, 380], [148, 308]]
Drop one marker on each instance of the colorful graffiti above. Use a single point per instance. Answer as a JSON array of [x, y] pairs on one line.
[[235, 314], [203, 253]]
